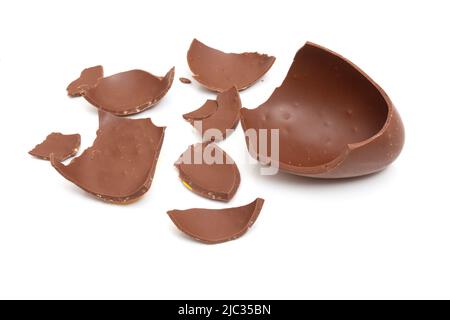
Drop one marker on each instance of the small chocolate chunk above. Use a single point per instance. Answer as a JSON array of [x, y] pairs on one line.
[[185, 80], [62, 146]]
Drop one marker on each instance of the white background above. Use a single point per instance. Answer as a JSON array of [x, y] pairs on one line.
[[383, 236]]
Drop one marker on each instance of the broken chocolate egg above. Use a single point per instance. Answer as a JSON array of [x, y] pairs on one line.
[[126, 93], [218, 71], [334, 121], [207, 170], [62, 146], [120, 164], [217, 116], [88, 79], [216, 225]]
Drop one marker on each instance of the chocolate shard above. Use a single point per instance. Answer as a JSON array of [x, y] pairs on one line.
[[120, 164], [62, 146], [185, 80], [221, 115], [205, 111], [88, 79], [207, 170], [334, 121], [218, 71], [129, 92], [216, 225]]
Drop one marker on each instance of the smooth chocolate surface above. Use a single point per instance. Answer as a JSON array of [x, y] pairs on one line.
[[62, 146], [124, 93], [129, 92], [207, 170], [120, 164], [334, 121], [221, 114], [216, 225], [88, 79], [185, 80], [218, 71]]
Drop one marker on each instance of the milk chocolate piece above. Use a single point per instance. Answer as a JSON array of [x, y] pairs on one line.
[[119, 166], [218, 71], [88, 79], [185, 80], [334, 120], [63, 146], [221, 114], [207, 170], [216, 225], [125, 93]]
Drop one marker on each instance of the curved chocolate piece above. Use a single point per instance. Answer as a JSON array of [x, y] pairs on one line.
[[219, 71], [63, 146], [334, 120], [129, 92], [216, 225], [221, 114], [207, 170], [88, 79], [119, 166]]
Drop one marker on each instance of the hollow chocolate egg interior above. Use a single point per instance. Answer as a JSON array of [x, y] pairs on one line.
[[325, 109]]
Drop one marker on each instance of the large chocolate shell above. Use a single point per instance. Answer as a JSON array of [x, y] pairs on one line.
[[334, 121]]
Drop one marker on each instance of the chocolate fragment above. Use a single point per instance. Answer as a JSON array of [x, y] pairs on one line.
[[63, 146], [88, 79], [221, 115], [334, 121], [218, 71], [124, 93], [119, 166], [129, 92], [207, 170], [185, 80], [216, 225]]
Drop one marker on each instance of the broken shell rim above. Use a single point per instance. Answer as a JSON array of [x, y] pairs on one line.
[[197, 77], [257, 207], [73, 153], [350, 147], [169, 76], [194, 186], [133, 196]]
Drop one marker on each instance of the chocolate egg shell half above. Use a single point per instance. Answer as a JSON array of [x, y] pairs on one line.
[[334, 121], [120, 164], [216, 225], [124, 93], [207, 170], [219, 115], [218, 71]]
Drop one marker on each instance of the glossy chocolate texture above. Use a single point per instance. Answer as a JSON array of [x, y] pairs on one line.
[[217, 225], [218, 71], [124, 93], [221, 114], [334, 121], [207, 170], [120, 164]]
